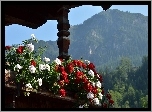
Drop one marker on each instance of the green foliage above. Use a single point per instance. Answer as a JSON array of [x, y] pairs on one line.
[[111, 35], [131, 92], [144, 101]]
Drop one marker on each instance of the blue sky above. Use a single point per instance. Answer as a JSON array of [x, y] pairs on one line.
[[15, 34]]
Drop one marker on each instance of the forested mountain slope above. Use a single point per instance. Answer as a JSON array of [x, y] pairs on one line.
[[106, 37]]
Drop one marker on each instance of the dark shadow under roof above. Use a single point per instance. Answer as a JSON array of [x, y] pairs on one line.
[[34, 16]]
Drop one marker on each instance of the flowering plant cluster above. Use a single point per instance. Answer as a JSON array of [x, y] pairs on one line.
[[61, 76]]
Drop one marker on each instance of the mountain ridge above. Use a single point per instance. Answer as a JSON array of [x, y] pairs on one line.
[[106, 37]]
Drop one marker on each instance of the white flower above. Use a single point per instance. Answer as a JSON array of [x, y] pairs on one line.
[[57, 61], [91, 73], [81, 106], [40, 81], [47, 67], [98, 76], [28, 93], [30, 47], [7, 71], [28, 85], [13, 48], [98, 84], [46, 59], [58, 77], [18, 67], [87, 62], [32, 69], [44, 67], [33, 36], [100, 96], [41, 67], [96, 101], [93, 84], [90, 95]]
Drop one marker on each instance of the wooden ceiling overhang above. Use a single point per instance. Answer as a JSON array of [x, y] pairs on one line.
[[34, 16]]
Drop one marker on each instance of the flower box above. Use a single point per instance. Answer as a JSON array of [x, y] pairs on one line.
[[36, 100], [40, 99], [61, 83]]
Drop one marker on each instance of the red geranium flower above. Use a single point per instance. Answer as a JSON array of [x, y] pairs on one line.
[[88, 87], [79, 75], [84, 79], [61, 83], [20, 49], [7, 48], [64, 75], [75, 62], [61, 68], [91, 66], [108, 96], [100, 78], [84, 66], [105, 105], [102, 92], [62, 92], [69, 68], [33, 63], [66, 81], [111, 101], [79, 63], [94, 71], [94, 91]]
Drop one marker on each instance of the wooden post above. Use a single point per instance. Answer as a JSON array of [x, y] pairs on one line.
[[63, 26]]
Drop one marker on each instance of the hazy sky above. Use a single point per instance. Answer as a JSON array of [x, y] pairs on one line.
[[15, 34]]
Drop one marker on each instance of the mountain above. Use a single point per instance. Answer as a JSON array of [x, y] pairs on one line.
[[105, 38]]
